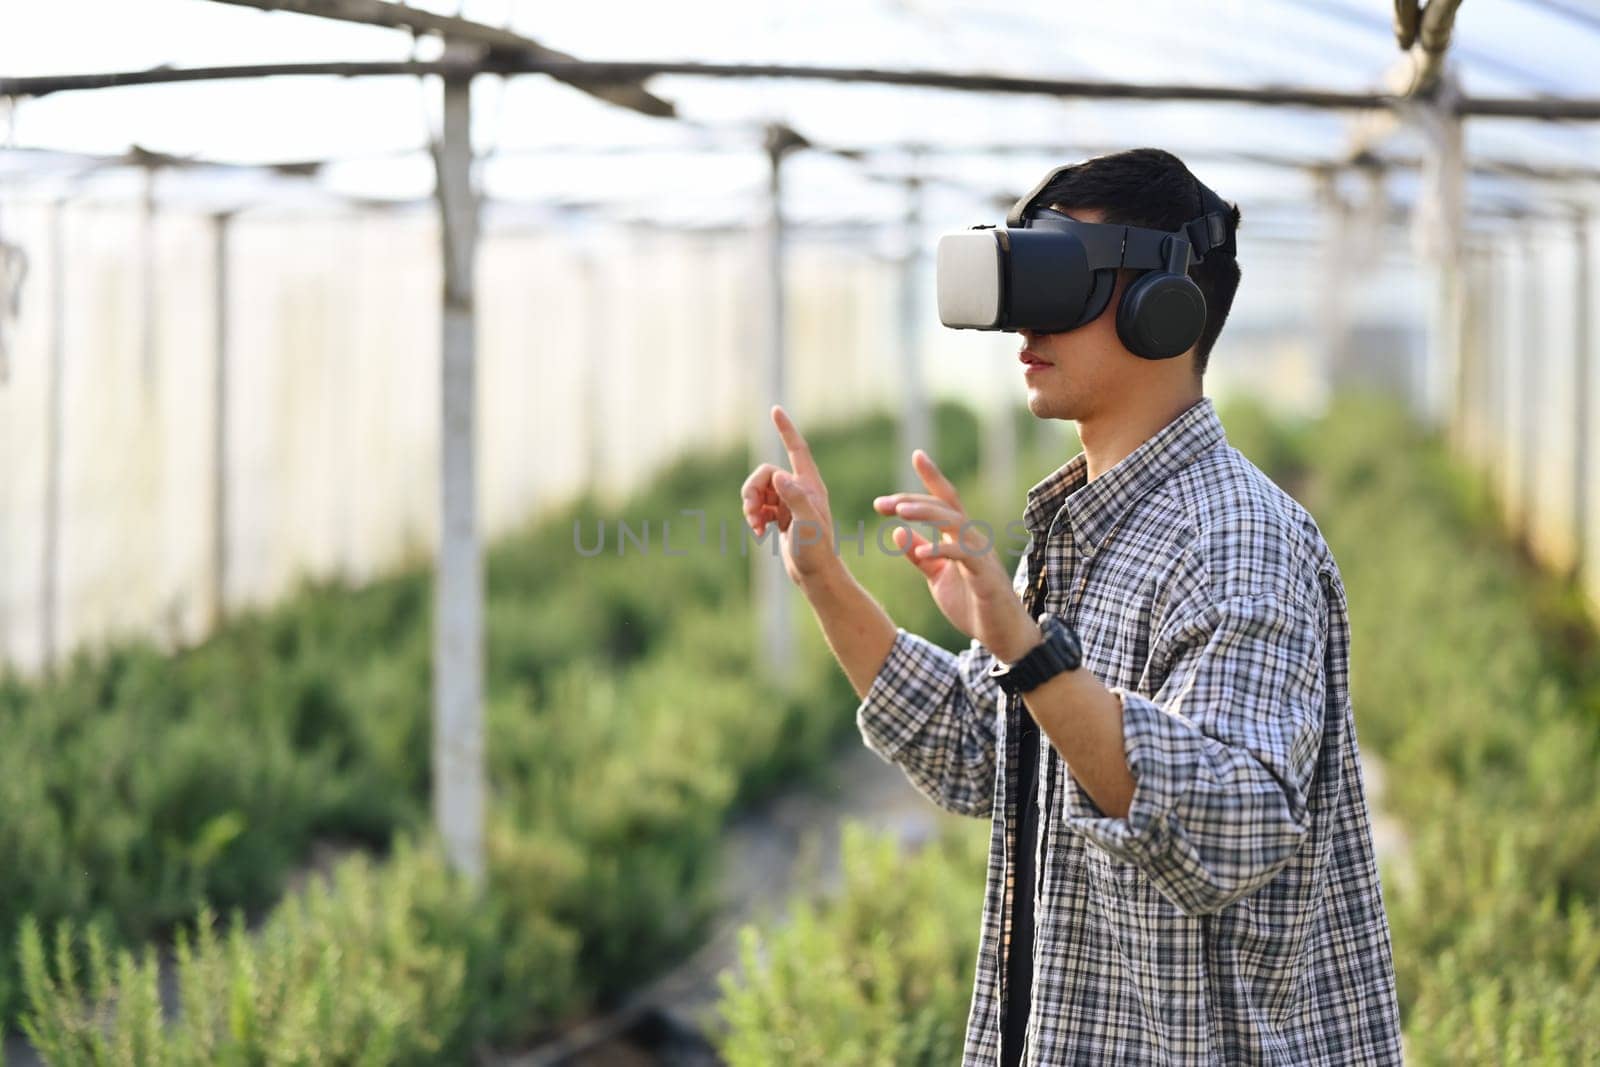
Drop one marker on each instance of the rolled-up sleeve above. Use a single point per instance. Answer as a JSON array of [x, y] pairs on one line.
[[932, 713], [1222, 754]]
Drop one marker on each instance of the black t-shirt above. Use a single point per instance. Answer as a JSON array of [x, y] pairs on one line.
[[1019, 961]]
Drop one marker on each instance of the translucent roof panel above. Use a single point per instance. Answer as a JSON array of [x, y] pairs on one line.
[[551, 143]]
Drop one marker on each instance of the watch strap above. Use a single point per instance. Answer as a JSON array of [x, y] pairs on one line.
[[1059, 651]]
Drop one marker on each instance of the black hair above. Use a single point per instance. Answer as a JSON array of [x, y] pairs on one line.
[[1152, 188]]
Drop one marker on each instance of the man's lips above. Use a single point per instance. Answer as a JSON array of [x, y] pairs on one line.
[[1030, 358]]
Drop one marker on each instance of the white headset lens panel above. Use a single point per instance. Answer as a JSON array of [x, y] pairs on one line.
[[968, 269]]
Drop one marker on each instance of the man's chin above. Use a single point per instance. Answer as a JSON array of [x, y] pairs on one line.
[[1045, 406]]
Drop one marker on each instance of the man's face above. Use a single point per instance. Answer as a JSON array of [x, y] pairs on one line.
[[1078, 373]]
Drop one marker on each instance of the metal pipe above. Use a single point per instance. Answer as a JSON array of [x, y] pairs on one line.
[[458, 753]]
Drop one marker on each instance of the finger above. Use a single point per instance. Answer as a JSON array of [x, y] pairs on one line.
[[792, 493], [947, 550], [886, 504], [768, 498], [759, 481], [972, 557], [757, 490], [943, 516], [769, 513], [911, 543], [799, 452], [934, 478]]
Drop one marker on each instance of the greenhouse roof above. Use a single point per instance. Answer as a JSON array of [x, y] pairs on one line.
[[545, 142]]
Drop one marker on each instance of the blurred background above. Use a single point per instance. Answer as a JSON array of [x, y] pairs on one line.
[[336, 335]]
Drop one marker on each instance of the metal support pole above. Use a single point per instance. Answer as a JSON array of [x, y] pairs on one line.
[[1334, 313], [55, 438], [1583, 364], [1479, 325], [458, 760], [768, 580], [148, 297], [217, 609], [1530, 365], [13, 267], [1462, 422], [916, 430], [1508, 381], [1438, 236], [592, 416], [1491, 312]]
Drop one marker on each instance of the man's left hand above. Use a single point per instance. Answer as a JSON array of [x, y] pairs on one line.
[[963, 571]]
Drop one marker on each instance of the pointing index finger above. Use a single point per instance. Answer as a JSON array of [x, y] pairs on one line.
[[795, 444], [934, 479]]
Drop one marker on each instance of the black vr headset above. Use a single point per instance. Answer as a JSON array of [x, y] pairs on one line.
[[1048, 272]]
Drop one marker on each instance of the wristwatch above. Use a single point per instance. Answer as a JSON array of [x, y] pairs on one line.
[[1059, 651]]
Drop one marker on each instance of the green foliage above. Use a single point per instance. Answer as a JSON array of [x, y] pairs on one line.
[[1282, 446], [341, 974], [626, 720], [879, 975], [1480, 689], [138, 786]]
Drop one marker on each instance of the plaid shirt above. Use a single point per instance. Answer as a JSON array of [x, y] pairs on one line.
[[1235, 915]]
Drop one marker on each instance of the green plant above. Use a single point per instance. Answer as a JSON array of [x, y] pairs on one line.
[[880, 974], [1481, 695], [340, 974], [627, 720]]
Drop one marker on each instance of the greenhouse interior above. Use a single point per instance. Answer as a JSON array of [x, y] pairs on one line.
[[390, 672]]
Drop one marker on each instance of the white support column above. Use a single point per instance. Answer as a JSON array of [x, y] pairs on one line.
[[1463, 419], [1588, 339], [55, 440], [1491, 313], [217, 609], [12, 268], [1438, 238], [1530, 368], [916, 428], [148, 295], [1583, 387], [1333, 318], [1480, 299], [1509, 381], [458, 751], [768, 581], [597, 328]]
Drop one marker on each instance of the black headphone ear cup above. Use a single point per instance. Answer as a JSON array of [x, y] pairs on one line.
[[1161, 315]]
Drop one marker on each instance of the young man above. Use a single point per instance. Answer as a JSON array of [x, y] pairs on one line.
[[1181, 865]]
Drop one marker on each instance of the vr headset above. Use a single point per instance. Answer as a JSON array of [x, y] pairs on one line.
[[1048, 272]]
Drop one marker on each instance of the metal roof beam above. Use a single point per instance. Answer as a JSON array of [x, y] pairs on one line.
[[497, 41], [595, 74]]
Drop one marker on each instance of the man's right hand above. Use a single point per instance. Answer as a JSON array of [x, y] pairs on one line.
[[797, 501]]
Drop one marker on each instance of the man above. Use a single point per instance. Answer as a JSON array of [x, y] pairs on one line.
[[1180, 866]]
